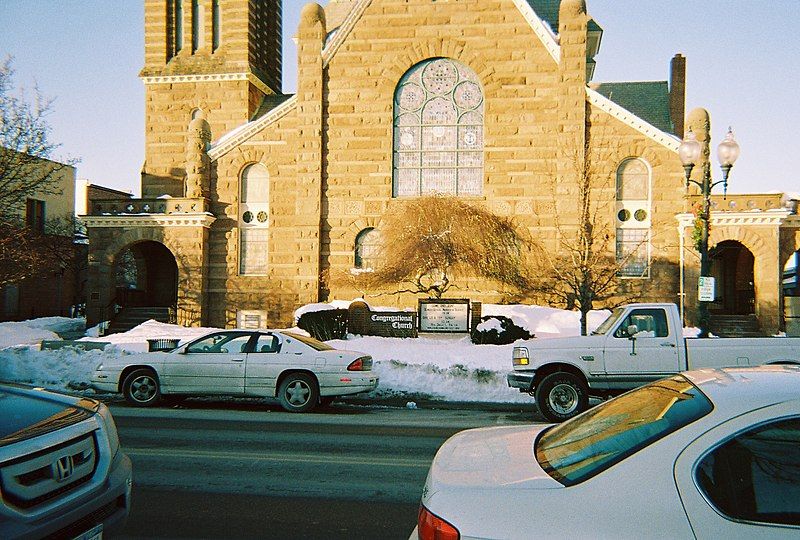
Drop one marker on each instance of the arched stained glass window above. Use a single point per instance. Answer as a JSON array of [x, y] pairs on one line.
[[254, 220], [367, 249], [438, 130], [633, 218]]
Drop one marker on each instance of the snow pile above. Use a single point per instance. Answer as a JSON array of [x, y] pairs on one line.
[[62, 369], [135, 340], [35, 330], [546, 322]]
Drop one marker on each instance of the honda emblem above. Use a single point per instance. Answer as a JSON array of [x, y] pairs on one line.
[[64, 467]]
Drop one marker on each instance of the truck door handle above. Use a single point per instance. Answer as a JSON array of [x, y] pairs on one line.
[[237, 359], [668, 345]]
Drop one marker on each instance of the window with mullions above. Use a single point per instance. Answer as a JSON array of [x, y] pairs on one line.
[[367, 249], [438, 130], [633, 218], [254, 221]]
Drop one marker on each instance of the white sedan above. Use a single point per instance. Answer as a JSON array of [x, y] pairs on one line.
[[297, 370], [705, 454]]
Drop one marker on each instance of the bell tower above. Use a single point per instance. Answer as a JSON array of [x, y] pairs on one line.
[[215, 58]]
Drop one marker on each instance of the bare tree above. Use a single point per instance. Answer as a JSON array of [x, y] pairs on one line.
[[26, 171], [584, 269], [430, 242]]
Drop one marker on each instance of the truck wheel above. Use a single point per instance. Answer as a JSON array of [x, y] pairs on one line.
[[141, 388], [562, 395]]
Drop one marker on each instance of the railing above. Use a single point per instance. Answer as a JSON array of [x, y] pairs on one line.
[[743, 202], [172, 205]]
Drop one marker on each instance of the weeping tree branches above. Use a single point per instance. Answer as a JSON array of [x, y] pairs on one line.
[[429, 243]]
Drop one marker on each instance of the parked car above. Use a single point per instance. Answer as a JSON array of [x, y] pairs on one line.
[[297, 370], [62, 473], [705, 454], [637, 344]]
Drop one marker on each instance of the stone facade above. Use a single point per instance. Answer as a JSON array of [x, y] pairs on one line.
[[329, 150]]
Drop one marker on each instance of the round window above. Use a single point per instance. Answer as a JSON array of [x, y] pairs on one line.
[[640, 215], [624, 215], [247, 217], [262, 217]]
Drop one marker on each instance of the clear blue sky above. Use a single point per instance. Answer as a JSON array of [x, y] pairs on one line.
[[741, 65]]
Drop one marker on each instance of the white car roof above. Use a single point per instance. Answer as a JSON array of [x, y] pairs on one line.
[[740, 389]]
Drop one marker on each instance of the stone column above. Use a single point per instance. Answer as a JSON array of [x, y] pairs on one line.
[[311, 35], [197, 161], [572, 94]]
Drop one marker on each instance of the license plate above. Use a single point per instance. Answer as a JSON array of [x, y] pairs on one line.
[[95, 533]]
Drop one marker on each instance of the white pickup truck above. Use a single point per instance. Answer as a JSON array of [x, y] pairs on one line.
[[637, 344]]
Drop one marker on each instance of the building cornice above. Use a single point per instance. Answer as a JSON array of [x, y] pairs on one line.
[[538, 26], [149, 220], [663, 138], [772, 218], [208, 77], [542, 30], [234, 138], [344, 30]]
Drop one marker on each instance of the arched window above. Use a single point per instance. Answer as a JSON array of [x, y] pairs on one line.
[[438, 130], [178, 10], [216, 28], [367, 249], [633, 218], [254, 220], [198, 25]]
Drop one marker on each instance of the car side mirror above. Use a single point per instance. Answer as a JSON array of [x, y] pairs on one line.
[[184, 350]]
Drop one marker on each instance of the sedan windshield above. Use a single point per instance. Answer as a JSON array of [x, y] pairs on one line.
[[310, 341], [594, 441]]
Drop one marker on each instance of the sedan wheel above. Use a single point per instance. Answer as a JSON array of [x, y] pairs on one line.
[[141, 388], [298, 392]]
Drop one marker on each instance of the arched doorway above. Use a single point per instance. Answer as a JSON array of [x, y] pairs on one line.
[[146, 274], [732, 266]]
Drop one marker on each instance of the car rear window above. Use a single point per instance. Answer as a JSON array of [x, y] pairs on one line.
[[310, 341], [596, 440]]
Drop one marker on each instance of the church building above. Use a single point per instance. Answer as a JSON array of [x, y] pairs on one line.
[[253, 199]]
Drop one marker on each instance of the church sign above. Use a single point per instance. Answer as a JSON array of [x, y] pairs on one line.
[[451, 315], [364, 321]]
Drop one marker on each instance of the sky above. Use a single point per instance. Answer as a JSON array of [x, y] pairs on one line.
[[741, 66]]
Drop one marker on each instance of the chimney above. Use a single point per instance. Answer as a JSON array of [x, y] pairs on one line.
[[677, 93]]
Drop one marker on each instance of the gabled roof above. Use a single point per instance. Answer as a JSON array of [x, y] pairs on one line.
[[649, 100]]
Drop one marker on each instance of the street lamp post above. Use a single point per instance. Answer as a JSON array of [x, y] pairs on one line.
[[690, 153]]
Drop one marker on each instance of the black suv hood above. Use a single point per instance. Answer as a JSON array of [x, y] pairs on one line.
[[27, 412]]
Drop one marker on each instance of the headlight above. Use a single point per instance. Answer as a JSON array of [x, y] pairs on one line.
[[110, 429]]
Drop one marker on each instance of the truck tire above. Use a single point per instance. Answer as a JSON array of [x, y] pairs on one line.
[[561, 395]]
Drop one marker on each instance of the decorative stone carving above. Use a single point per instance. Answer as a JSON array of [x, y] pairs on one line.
[[197, 161]]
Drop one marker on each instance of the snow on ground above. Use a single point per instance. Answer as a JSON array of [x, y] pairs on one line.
[[35, 330], [442, 366]]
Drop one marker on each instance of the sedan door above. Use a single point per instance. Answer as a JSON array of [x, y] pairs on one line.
[[742, 478], [214, 364], [264, 363]]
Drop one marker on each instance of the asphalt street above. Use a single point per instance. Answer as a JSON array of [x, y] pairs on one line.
[[212, 470]]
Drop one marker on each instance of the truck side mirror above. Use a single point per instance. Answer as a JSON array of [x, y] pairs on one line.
[[632, 331]]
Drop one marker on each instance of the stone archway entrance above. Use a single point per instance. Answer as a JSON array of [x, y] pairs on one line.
[[146, 274], [732, 265]]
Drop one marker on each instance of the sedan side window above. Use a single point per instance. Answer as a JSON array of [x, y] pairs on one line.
[[756, 475], [225, 343], [267, 343]]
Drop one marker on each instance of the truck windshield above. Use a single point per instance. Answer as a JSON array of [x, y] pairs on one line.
[[608, 323], [602, 437]]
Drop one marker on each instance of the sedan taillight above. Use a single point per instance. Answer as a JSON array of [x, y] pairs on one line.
[[432, 527], [361, 364]]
